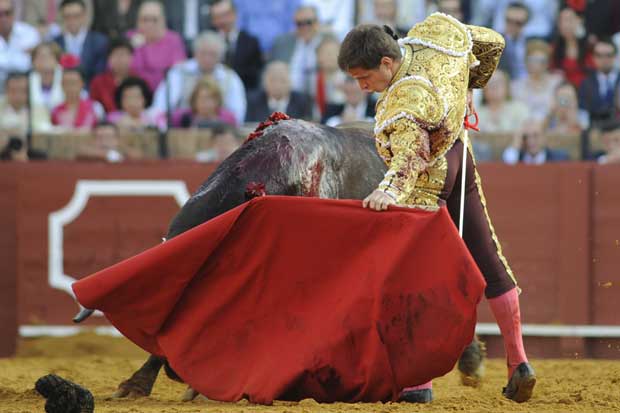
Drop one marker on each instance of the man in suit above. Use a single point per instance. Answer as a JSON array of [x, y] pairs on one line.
[[189, 18], [91, 47], [530, 147], [43, 14], [513, 59], [298, 48], [243, 53], [277, 96], [598, 92], [358, 106]]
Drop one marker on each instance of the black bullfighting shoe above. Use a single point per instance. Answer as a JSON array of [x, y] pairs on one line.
[[416, 396], [521, 384], [64, 396], [471, 363]]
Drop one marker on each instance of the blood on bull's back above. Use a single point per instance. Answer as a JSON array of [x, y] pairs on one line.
[[293, 157]]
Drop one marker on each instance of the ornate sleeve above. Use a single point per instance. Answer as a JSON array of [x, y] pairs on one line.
[[410, 148], [488, 46]]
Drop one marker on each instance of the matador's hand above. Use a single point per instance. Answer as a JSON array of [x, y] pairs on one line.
[[378, 201]]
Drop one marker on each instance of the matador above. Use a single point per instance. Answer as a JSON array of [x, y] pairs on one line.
[[425, 80]]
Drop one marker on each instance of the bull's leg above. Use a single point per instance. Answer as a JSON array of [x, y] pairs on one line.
[[471, 363], [141, 382], [189, 395]]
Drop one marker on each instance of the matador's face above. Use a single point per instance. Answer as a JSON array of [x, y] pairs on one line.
[[375, 80]]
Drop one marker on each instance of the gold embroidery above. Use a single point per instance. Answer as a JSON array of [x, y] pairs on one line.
[[408, 153], [487, 48], [443, 32], [420, 116]]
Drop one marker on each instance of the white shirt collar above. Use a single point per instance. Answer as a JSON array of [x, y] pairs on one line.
[[278, 105], [538, 159], [602, 79], [81, 36], [360, 109]]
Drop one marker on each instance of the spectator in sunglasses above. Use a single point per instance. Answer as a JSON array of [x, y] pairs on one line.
[[299, 49], [493, 13], [598, 93], [266, 19], [513, 58]]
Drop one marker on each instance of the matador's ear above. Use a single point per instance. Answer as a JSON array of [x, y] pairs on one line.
[[389, 31]]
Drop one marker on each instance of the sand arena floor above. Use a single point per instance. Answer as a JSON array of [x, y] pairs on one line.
[[100, 363]]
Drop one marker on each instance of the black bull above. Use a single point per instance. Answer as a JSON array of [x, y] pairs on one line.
[[293, 157]]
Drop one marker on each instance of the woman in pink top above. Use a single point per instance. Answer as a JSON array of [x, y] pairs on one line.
[[74, 113], [156, 48]]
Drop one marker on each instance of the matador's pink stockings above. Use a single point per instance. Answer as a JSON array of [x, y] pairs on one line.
[[508, 317]]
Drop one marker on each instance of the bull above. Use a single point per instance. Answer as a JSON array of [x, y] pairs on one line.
[[283, 157]]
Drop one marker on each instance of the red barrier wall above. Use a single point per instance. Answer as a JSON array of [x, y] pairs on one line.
[[559, 226]]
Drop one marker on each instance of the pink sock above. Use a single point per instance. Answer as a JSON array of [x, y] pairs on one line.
[[508, 317], [424, 386]]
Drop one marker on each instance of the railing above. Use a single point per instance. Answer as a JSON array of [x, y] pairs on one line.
[[185, 143]]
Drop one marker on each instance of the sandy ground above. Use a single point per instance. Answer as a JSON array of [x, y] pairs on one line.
[[100, 363]]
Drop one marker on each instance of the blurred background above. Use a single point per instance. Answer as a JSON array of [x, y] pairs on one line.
[[113, 111]]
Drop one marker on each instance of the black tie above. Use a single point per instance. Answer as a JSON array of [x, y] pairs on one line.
[[230, 53]]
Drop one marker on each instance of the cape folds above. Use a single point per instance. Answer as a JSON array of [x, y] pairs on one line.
[[292, 298]]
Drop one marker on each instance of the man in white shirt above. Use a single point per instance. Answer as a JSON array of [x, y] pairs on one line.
[[14, 113], [298, 49], [17, 39], [277, 96], [175, 91], [530, 147], [358, 106], [334, 15]]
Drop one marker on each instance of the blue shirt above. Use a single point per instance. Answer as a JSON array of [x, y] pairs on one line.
[[266, 19]]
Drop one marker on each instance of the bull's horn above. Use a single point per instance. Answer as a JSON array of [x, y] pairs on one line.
[[82, 315]]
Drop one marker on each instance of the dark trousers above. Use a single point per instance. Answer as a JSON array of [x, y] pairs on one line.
[[478, 232]]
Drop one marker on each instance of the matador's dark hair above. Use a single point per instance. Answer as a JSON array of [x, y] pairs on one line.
[[366, 45]]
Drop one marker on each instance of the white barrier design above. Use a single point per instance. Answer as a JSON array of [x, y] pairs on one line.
[[85, 189]]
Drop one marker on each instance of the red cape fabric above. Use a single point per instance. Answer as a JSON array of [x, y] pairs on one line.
[[291, 298]]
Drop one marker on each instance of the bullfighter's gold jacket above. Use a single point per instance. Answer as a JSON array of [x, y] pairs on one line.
[[420, 115]]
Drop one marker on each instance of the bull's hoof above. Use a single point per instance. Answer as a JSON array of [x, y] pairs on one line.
[[82, 315], [132, 389], [471, 364], [64, 396], [416, 396], [189, 395]]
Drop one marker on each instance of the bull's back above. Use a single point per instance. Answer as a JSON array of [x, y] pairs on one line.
[[294, 157]]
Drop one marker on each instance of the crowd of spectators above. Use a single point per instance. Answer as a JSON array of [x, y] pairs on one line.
[[108, 67]]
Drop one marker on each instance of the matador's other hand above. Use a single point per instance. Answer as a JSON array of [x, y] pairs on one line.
[[471, 109], [378, 200]]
